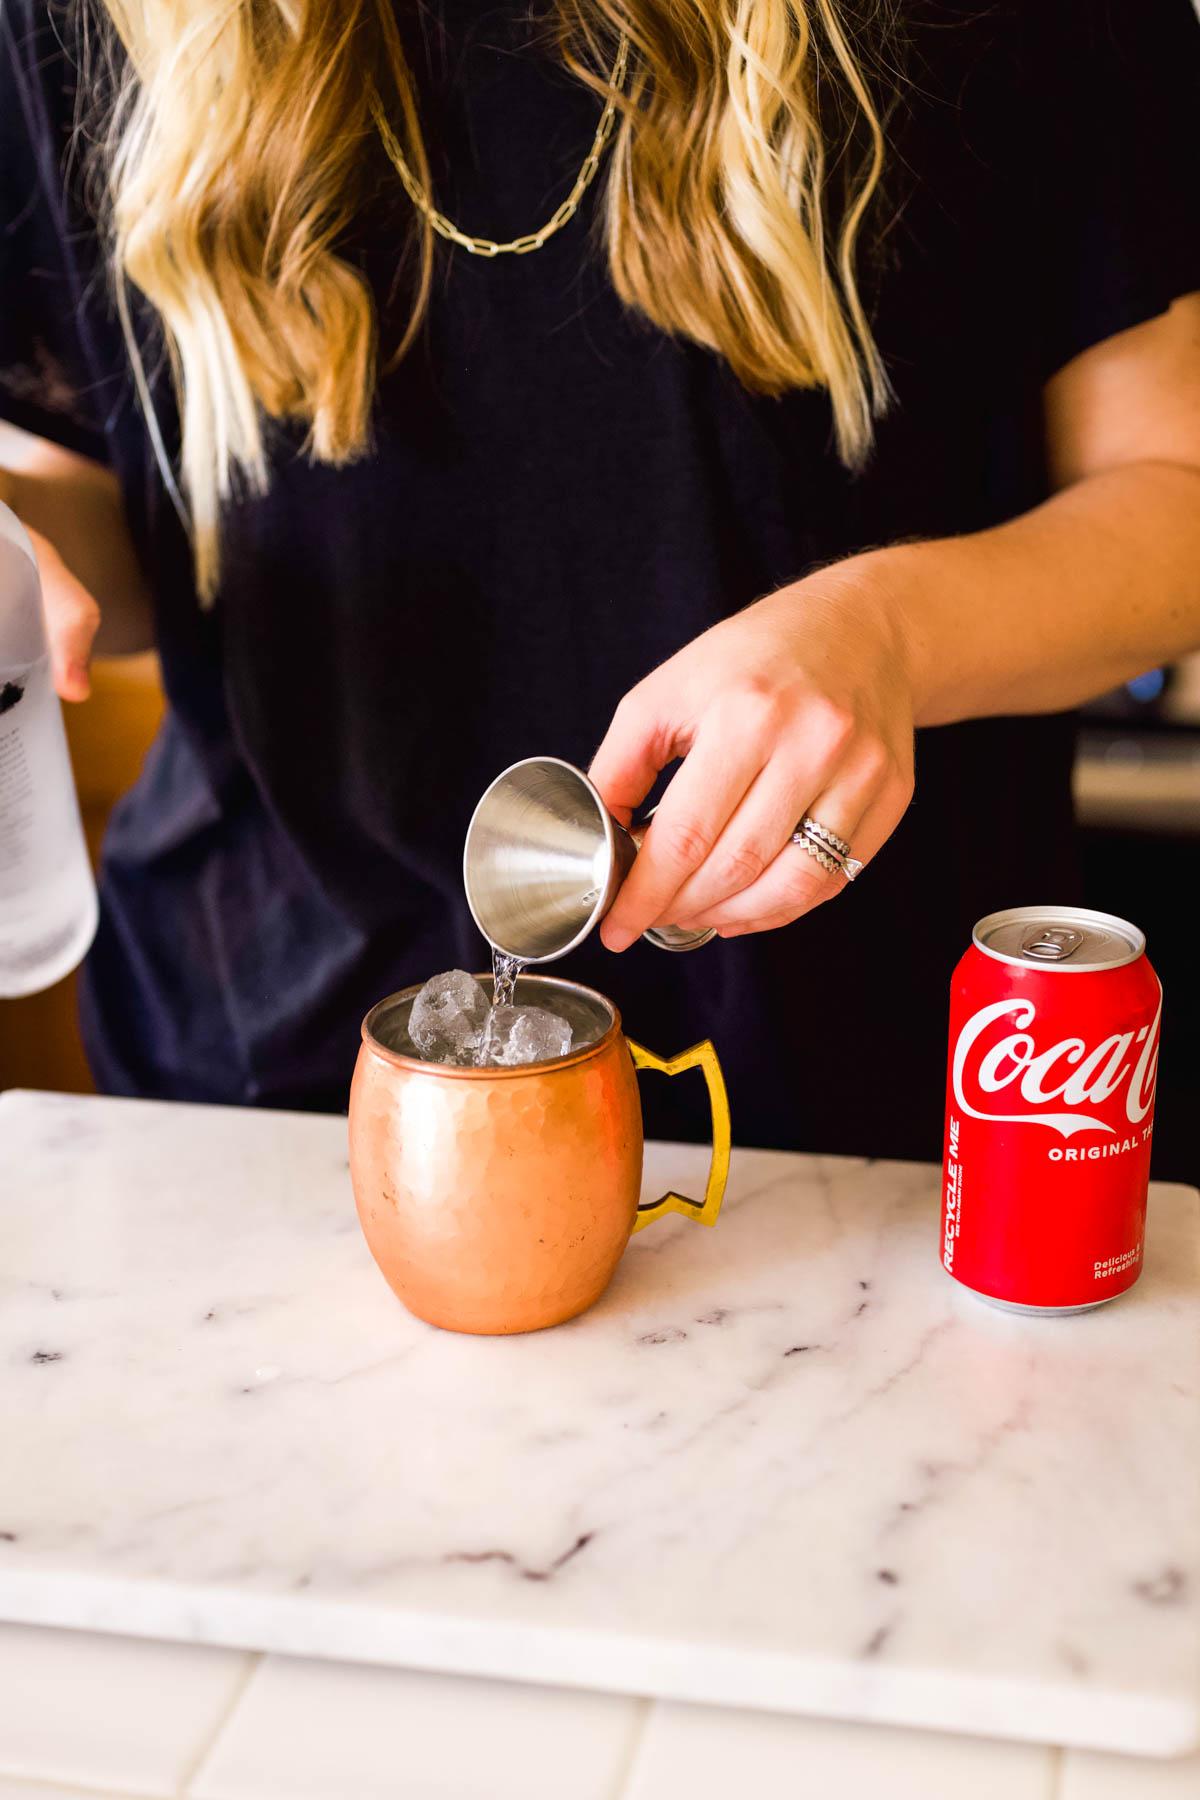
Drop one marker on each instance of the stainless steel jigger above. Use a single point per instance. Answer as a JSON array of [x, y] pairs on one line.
[[543, 861]]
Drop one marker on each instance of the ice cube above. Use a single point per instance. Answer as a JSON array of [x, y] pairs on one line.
[[524, 1034], [448, 1018]]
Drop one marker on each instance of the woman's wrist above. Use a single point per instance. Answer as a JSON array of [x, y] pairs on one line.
[[901, 583], [874, 592]]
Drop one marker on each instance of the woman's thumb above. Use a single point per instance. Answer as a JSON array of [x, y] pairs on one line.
[[72, 620]]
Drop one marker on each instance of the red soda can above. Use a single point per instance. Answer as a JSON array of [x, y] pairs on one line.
[[1054, 1026]]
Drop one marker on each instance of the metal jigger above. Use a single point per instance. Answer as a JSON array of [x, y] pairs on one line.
[[543, 861]]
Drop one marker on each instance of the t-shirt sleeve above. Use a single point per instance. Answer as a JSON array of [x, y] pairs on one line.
[[57, 378], [1117, 176]]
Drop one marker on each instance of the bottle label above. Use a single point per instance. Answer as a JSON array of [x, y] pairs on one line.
[[18, 701]]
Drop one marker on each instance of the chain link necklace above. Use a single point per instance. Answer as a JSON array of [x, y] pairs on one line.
[[533, 240]]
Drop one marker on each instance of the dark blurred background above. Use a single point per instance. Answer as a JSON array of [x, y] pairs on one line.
[[1137, 798]]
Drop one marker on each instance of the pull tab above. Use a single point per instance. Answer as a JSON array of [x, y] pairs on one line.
[[1052, 945]]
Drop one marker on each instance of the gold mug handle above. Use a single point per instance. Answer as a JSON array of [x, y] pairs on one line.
[[700, 1056]]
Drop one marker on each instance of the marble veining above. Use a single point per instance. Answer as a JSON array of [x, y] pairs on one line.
[[786, 1463]]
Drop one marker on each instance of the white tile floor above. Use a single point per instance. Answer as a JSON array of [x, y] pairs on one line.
[[39, 1790], [125, 1715], [89, 1717], [1088, 1776], [328, 1731], [710, 1753]]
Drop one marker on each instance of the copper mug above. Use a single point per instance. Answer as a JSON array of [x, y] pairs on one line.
[[497, 1200]]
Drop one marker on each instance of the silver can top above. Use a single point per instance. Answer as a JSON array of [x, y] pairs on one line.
[[1070, 939]]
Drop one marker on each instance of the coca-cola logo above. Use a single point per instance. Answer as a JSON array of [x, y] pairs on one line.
[[1067, 1071]]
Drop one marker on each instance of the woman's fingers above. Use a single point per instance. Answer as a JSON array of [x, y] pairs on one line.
[[72, 620], [750, 842], [705, 792], [634, 749], [796, 882], [706, 843], [792, 883], [847, 777]]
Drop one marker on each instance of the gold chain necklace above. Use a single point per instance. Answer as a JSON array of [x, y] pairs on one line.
[[533, 240]]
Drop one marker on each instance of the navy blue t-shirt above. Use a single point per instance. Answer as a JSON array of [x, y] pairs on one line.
[[558, 497]]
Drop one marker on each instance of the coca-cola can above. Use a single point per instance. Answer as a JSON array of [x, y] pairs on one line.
[[1054, 1026]]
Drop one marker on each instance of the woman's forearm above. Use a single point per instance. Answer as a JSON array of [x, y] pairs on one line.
[[1096, 585]]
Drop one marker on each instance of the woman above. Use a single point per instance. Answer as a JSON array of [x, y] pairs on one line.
[[860, 393]]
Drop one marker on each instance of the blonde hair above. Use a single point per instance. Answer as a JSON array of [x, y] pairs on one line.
[[237, 150]]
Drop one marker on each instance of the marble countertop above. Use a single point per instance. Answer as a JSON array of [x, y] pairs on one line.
[[784, 1464]]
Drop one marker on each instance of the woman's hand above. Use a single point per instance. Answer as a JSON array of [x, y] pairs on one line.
[[72, 620], [72, 615], [72, 509], [801, 704]]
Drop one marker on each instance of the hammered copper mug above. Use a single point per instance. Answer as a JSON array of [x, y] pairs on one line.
[[497, 1200]]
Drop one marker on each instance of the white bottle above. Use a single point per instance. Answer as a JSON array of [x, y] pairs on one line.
[[48, 910]]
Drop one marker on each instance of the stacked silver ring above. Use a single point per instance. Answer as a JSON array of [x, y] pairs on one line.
[[811, 828], [826, 848]]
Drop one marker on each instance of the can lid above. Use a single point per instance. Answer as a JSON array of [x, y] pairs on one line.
[[1068, 939]]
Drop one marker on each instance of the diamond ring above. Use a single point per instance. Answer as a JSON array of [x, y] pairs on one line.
[[828, 859], [823, 835], [826, 848]]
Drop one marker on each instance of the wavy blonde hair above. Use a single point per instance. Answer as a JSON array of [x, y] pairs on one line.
[[236, 158]]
